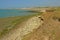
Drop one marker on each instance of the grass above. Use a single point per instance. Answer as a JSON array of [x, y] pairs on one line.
[[7, 24]]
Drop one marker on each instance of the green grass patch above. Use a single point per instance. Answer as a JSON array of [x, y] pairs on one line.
[[10, 23]]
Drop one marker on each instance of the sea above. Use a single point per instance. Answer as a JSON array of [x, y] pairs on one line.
[[11, 13]]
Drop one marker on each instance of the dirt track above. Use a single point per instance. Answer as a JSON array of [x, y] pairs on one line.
[[48, 31]]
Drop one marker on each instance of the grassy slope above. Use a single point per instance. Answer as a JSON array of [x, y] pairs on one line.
[[6, 24]]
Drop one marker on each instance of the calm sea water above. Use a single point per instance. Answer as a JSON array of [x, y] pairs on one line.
[[9, 13]]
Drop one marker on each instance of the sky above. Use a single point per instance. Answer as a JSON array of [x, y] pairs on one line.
[[27, 3]]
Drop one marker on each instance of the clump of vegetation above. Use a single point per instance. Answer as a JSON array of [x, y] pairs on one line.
[[56, 18]]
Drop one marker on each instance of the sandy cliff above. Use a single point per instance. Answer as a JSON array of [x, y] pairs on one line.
[[26, 27]]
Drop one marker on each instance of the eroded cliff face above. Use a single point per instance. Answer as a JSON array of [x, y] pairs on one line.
[[26, 27]]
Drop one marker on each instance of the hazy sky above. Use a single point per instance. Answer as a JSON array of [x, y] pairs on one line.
[[27, 3]]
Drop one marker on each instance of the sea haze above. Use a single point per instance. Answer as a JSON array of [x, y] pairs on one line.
[[10, 13]]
